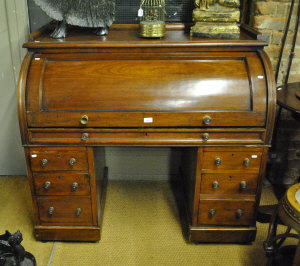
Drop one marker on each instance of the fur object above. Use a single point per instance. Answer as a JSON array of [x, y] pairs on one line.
[[83, 13]]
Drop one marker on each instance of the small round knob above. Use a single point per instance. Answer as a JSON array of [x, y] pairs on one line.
[[78, 211], [239, 213], [84, 136], [215, 184], [205, 137], [51, 211], [84, 119], [243, 185], [72, 161], [74, 186], [47, 185], [218, 161], [206, 120], [44, 162], [212, 212], [246, 162]]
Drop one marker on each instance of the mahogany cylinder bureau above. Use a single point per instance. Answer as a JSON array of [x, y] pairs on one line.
[[214, 98]]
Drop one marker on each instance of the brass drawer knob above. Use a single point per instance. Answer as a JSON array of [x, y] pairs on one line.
[[205, 137], [215, 184], [243, 185], [218, 161], [74, 186], [78, 211], [212, 212], [84, 120], [44, 162], [47, 185], [51, 211], [206, 120], [84, 136], [72, 161], [246, 162], [239, 213]]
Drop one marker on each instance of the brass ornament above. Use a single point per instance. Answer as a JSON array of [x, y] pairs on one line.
[[152, 21], [216, 19]]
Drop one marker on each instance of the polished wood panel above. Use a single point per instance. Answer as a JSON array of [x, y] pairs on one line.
[[65, 210], [57, 160], [67, 233], [127, 36], [134, 85], [62, 184], [222, 234], [143, 136], [137, 119], [232, 160], [133, 90], [226, 212], [241, 184]]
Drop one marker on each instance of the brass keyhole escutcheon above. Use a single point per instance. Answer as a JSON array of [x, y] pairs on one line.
[[84, 120]]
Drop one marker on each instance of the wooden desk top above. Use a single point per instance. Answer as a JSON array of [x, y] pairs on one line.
[[286, 97], [128, 36]]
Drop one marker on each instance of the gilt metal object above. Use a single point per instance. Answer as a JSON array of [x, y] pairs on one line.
[[74, 186], [47, 185], [216, 19], [215, 184], [44, 162], [218, 161], [72, 161], [152, 22], [205, 136], [84, 120]]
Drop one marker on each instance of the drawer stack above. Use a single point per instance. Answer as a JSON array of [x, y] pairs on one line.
[[226, 193], [63, 187]]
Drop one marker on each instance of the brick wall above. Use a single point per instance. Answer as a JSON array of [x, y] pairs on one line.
[[270, 18]]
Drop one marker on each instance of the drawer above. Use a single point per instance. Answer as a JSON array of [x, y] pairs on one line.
[[228, 183], [68, 211], [225, 212], [62, 184], [140, 136], [58, 160], [232, 160]]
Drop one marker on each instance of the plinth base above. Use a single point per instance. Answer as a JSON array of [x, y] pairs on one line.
[[215, 30], [60, 233], [221, 234]]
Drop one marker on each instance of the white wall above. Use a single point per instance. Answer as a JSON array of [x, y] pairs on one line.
[[13, 33]]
